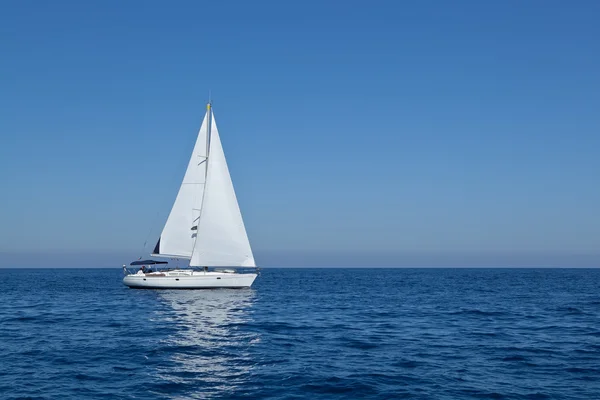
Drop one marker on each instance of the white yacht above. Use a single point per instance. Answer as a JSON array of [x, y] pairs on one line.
[[204, 226]]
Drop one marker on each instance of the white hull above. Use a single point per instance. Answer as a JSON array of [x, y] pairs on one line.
[[186, 279]]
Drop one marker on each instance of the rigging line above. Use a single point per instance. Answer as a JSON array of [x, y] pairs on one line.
[[153, 222]]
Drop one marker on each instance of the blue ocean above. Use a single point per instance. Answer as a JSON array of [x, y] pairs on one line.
[[304, 334]]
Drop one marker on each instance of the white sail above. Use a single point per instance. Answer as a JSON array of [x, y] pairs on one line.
[[222, 239], [179, 234]]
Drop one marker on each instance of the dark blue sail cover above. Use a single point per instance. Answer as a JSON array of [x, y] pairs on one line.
[[148, 262]]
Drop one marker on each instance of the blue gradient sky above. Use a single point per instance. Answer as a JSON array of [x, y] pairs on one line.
[[392, 128]]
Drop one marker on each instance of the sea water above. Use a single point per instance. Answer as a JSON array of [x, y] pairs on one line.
[[304, 334]]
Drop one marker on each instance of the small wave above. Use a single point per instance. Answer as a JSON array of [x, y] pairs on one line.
[[124, 369], [515, 358], [478, 312], [537, 396], [484, 395], [570, 310], [577, 370], [338, 386], [21, 319], [486, 334], [84, 377], [358, 344], [406, 364], [534, 350]]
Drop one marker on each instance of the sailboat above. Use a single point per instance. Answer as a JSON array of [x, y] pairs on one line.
[[205, 226]]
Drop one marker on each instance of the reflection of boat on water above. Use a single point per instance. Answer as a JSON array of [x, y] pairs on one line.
[[205, 226], [207, 348]]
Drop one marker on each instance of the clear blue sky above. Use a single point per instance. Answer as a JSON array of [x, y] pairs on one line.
[[429, 128]]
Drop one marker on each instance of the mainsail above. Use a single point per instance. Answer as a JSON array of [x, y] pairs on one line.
[[179, 234], [205, 223]]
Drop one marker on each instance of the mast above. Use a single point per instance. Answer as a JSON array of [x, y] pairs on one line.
[[209, 123], [208, 129]]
